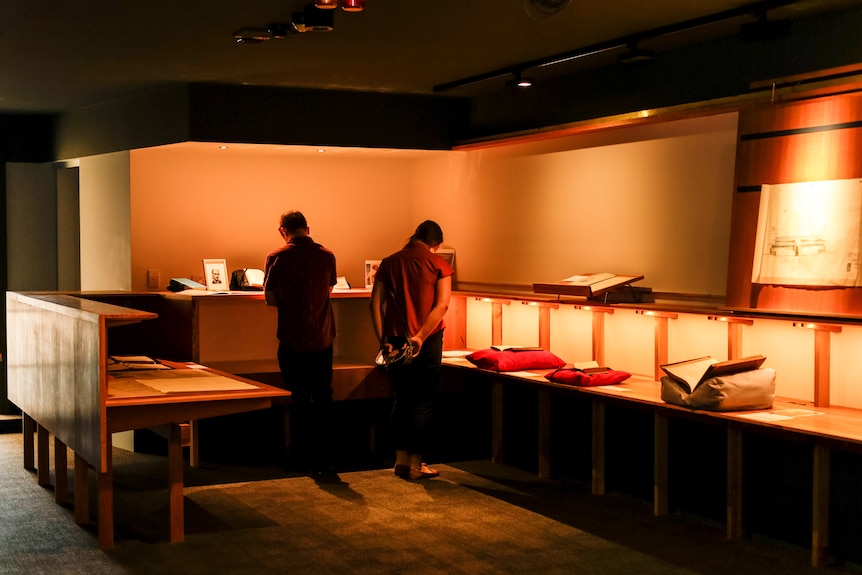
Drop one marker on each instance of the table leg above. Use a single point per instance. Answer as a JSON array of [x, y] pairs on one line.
[[28, 426], [661, 457], [194, 457], [734, 482], [43, 456], [61, 472], [106, 503], [496, 422], [175, 480], [598, 448], [544, 434], [82, 491], [820, 511]]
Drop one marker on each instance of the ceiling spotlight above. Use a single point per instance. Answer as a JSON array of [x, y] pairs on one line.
[[539, 9], [519, 81], [764, 29], [353, 5], [635, 55], [313, 20], [279, 31], [251, 35]]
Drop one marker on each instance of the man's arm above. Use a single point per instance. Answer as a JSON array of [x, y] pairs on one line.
[[377, 310], [441, 305], [269, 283]]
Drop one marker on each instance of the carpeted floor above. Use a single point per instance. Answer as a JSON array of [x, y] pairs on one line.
[[477, 518]]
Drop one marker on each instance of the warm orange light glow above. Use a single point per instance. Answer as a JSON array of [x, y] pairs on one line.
[[493, 300], [352, 5], [595, 309], [818, 326], [667, 314], [726, 319], [541, 304], [326, 4]]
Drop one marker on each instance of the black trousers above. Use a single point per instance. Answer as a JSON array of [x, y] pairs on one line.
[[414, 387], [308, 376]]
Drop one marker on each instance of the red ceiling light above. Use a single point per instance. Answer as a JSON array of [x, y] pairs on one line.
[[326, 4], [352, 5]]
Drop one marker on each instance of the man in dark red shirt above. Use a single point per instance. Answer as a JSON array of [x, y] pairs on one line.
[[409, 299], [298, 280]]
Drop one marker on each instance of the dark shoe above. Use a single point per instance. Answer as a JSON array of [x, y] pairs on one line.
[[402, 471]]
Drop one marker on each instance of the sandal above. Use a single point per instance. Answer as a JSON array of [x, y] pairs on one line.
[[424, 472]]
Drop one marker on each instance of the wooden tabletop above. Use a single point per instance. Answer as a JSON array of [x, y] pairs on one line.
[[839, 424]]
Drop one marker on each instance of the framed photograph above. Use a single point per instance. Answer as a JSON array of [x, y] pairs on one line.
[[215, 273], [370, 271]]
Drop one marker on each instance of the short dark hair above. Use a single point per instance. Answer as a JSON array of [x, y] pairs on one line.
[[293, 221], [428, 232]]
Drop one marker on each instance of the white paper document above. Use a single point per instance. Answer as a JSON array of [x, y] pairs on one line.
[[196, 384]]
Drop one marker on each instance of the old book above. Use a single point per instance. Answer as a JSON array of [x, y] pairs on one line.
[[515, 348], [585, 285], [692, 372]]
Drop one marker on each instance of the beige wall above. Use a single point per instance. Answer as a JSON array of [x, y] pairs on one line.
[[652, 200], [105, 220], [191, 202]]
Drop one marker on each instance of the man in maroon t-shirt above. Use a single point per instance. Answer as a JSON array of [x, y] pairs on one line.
[[298, 280]]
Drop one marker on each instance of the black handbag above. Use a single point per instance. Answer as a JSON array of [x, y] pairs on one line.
[[403, 349], [401, 354]]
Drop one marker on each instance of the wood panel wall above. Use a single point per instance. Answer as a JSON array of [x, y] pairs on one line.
[[818, 138]]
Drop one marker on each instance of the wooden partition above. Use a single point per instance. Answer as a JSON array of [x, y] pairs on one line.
[[58, 376], [810, 139], [57, 345]]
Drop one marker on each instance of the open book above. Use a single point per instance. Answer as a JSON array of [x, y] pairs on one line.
[[586, 285], [515, 348], [693, 372], [133, 362]]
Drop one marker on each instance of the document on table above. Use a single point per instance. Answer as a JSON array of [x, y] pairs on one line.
[[455, 353], [780, 415], [182, 381], [198, 383]]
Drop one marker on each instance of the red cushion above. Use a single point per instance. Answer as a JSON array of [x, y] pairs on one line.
[[575, 377], [514, 360]]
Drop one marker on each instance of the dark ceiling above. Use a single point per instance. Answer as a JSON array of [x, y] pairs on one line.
[[57, 56]]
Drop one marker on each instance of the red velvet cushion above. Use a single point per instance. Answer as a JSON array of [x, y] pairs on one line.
[[512, 360], [575, 377]]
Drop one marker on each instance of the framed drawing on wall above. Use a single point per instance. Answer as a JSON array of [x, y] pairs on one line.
[[215, 272], [809, 234]]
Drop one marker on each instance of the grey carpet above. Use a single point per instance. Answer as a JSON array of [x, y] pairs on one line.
[[477, 518]]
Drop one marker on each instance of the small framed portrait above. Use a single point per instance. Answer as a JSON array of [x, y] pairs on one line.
[[370, 271], [215, 273]]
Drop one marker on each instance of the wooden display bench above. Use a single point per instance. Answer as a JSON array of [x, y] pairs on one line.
[[235, 333], [833, 427], [57, 375]]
